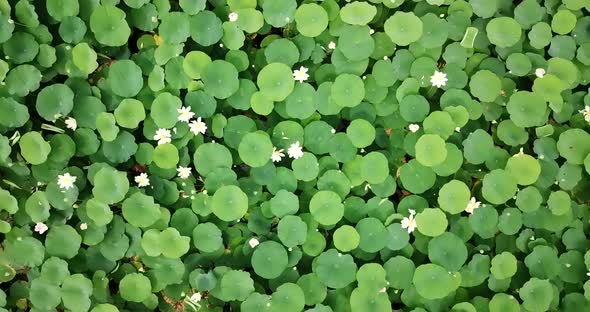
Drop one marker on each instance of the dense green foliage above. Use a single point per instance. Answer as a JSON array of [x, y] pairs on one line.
[[290, 155]]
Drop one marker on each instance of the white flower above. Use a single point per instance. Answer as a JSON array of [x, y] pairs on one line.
[[540, 72], [586, 113], [196, 297], [233, 16], [277, 155], [439, 79], [83, 226], [409, 222], [142, 180], [520, 153], [414, 128], [198, 126], [163, 136], [332, 45], [472, 205], [295, 150], [41, 227], [371, 31], [253, 242], [65, 181], [71, 123], [185, 114], [183, 172], [300, 74]]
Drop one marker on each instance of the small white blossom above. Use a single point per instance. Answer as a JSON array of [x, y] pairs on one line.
[[586, 113], [409, 222], [472, 205], [233, 16], [41, 227], [371, 31], [154, 19], [83, 226], [163, 136], [277, 155], [198, 126], [295, 150], [142, 180], [185, 114], [300, 74], [333, 131], [253, 242], [65, 181], [540, 72], [520, 153], [183, 172], [332, 45], [414, 128], [71, 123], [439, 79], [196, 297]]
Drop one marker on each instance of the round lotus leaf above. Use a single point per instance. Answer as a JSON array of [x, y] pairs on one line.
[[109, 26], [524, 168], [8, 202], [140, 210], [135, 287], [21, 48], [431, 222], [229, 203], [305, 168], [504, 303], [206, 28], [574, 145], [37, 206], [166, 156], [207, 237], [104, 307], [357, 13], [430, 150], [510, 221], [84, 57], [99, 212], [448, 251], [559, 203], [314, 290], [288, 297], [62, 241], [485, 85], [311, 19], [236, 285], [14, 114], [334, 269], [58, 9], [129, 113], [361, 133], [282, 51], [292, 231], [346, 238], [301, 103], [255, 149], [23, 79], [269, 259], [416, 178], [503, 31], [209, 156], [527, 109], [414, 108], [347, 90], [55, 101], [284, 203], [400, 271], [279, 13], [174, 27], [373, 234], [110, 185], [563, 22], [536, 294], [44, 294], [403, 28], [220, 79], [364, 298], [275, 81], [326, 207], [484, 221], [34, 148], [503, 265], [356, 43], [125, 78], [194, 63], [478, 146], [435, 282], [499, 186], [374, 168], [454, 196]]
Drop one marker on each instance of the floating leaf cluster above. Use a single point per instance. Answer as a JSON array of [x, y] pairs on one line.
[[285, 156]]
